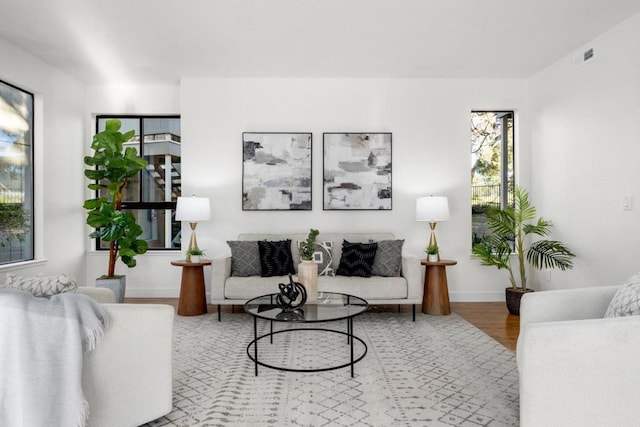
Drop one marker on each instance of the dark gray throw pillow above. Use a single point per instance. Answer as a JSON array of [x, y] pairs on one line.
[[275, 258], [245, 258], [357, 259], [388, 260]]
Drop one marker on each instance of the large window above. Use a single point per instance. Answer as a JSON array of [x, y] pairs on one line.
[[492, 166], [151, 197], [16, 174]]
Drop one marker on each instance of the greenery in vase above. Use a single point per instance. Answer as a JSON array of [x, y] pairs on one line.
[[510, 226], [110, 168], [432, 250], [195, 252], [308, 246]]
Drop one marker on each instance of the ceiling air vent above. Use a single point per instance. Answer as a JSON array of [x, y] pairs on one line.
[[587, 55]]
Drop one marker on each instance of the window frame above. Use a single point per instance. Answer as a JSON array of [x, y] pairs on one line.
[[140, 204], [506, 157], [29, 184]]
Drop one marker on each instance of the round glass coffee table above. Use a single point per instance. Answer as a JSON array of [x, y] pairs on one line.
[[329, 307]]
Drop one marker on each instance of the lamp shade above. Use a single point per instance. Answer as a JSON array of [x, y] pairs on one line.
[[432, 209], [193, 209]]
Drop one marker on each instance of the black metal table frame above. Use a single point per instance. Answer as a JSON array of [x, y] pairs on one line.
[[350, 339]]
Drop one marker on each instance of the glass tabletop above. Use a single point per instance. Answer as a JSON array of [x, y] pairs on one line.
[[330, 306]]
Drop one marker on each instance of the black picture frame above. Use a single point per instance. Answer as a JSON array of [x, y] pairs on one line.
[[276, 171], [357, 171]]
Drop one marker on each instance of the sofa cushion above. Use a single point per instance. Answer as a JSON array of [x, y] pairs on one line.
[[275, 258], [388, 260], [323, 256], [245, 258], [357, 259], [626, 301], [42, 286]]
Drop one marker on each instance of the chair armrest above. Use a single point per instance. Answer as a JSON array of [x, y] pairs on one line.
[[127, 379], [220, 272], [102, 295], [580, 373], [412, 271], [565, 304]]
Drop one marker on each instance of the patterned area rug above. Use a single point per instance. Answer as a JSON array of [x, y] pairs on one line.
[[436, 371]]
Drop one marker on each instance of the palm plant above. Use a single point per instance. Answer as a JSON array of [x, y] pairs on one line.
[[510, 226]]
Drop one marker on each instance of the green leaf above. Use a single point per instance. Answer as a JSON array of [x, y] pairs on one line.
[[112, 125]]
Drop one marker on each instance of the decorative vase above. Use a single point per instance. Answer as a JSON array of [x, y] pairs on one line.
[[432, 257], [117, 284], [513, 297], [308, 276], [195, 258]]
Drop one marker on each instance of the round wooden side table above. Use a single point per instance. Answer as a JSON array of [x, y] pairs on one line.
[[435, 299], [193, 299]]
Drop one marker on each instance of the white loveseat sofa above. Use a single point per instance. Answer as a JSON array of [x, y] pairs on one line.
[[577, 369], [127, 379], [227, 289]]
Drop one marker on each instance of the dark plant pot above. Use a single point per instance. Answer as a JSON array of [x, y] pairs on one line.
[[513, 297]]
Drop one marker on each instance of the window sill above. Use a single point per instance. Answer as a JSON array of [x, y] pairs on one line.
[[23, 264]]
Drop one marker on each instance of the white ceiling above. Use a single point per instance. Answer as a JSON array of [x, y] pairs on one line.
[[160, 41]]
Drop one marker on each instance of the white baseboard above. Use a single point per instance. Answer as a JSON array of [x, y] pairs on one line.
[[476, 296], [153, 292]]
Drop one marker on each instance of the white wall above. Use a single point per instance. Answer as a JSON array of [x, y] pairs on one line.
[[586, 157], [59, 143], [429, 120]]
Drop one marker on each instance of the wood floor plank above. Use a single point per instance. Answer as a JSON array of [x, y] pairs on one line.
[[490, 317]]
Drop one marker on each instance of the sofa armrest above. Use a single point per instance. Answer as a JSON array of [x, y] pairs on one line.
[[102, 295], [127, 379], [565, 304], [580, 373], [220, 272], [411, 270]]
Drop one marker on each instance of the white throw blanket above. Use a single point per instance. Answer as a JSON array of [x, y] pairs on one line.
[[41, 352]]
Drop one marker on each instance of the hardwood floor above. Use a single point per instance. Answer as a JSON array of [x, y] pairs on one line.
[[490, 317]]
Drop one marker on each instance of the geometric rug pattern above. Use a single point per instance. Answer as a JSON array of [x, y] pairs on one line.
[[436, 371]]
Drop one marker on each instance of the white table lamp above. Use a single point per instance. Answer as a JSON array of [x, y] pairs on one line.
[[432, 209], [193, 209]]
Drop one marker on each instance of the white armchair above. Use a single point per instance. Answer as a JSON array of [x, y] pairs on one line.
[[127, 379], [576, 367]]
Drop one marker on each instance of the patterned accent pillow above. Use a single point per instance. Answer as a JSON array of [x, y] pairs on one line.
[[275, 258], [42, 286], [357, 259], [388, 260], [245, 258], [626, 302], [323, 256]]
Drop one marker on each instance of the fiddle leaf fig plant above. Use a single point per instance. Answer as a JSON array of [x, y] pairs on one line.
[[510, 227], [110, 168]]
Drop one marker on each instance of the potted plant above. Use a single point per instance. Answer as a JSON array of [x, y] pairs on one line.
[[195, 255], [510, 226], [308, 269], [432, 253], [110, 168]]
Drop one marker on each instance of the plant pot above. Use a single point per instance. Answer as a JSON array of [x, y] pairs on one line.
[[117, 284], [308, 276], [513, 297], [196, 258], [432, 258]]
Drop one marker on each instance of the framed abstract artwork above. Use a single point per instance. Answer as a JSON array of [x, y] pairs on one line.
[[357, 171], [276, 171]]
